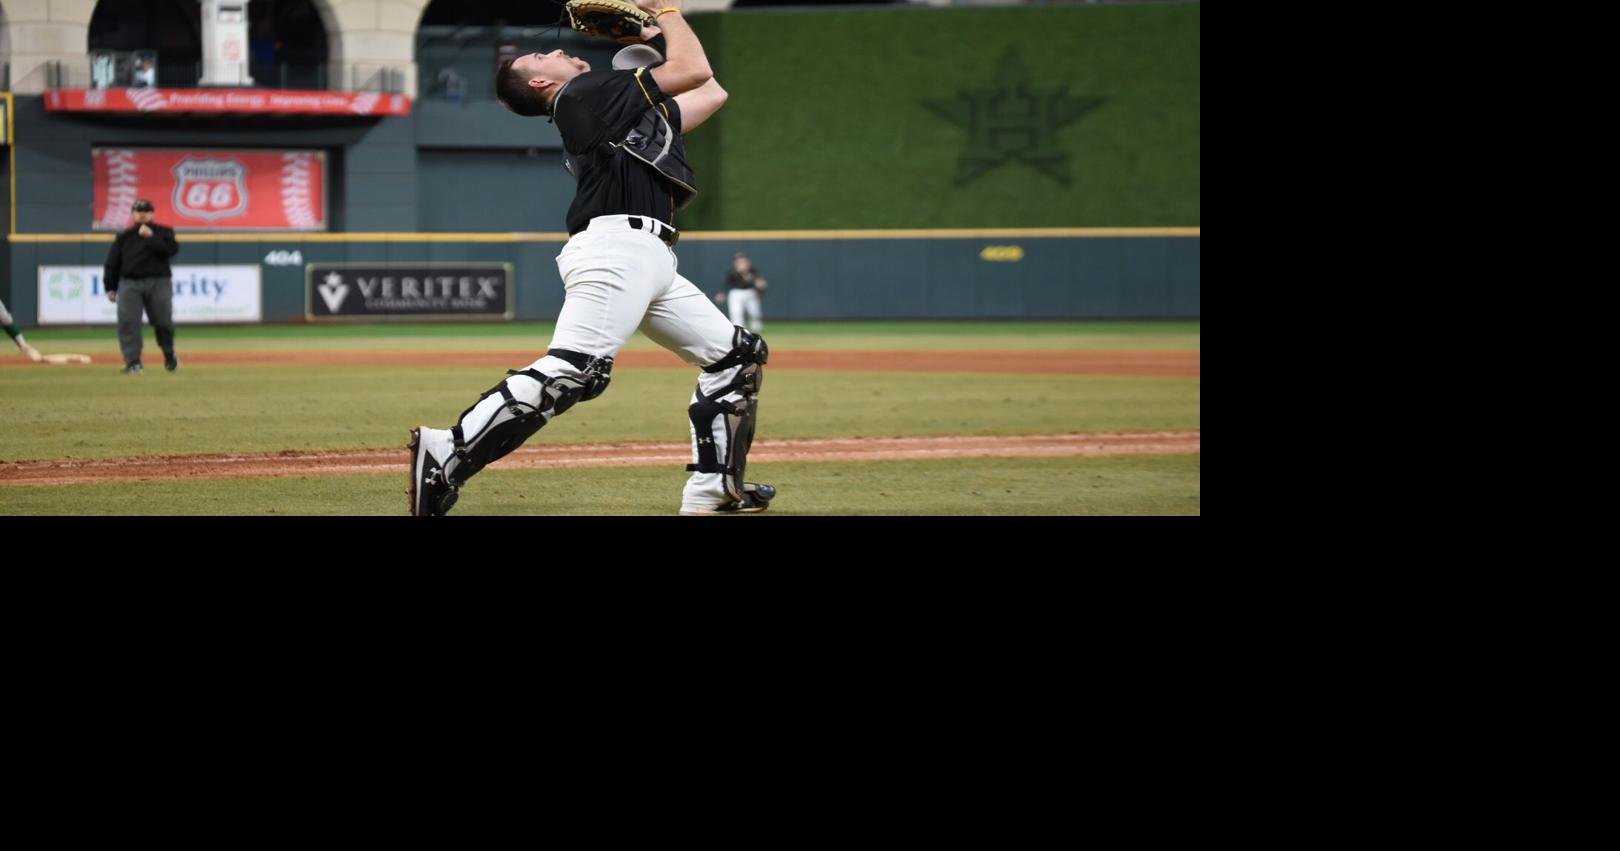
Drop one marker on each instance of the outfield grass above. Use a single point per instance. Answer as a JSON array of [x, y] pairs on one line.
[[1138, 485], [89, 412], [211, 408], [517, 336]]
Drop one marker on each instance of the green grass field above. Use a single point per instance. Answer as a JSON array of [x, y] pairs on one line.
[[506, 336], [92, 412]]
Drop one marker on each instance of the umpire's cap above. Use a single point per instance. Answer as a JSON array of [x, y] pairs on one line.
[[142, 206]]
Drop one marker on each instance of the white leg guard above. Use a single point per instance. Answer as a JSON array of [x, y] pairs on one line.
[[512, 411]]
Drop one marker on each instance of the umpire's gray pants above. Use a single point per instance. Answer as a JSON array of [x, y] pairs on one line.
[[156, 297]]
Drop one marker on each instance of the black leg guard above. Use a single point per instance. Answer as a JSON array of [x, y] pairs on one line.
[[728, 415]]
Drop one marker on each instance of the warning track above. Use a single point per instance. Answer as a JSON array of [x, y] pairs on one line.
[[573, 455]]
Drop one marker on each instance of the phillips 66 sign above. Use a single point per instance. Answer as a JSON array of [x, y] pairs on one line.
[[212, 189]]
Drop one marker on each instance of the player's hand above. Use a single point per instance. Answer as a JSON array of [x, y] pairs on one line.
[[720, 297], [112, 296], [760, 284], [649, 32], [145, 231]]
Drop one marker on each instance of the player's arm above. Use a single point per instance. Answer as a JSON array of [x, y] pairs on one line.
[[686, 67], [164, 243], [700, 103]]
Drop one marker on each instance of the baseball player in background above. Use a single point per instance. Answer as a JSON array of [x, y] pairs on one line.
[[16, 335], [744, 292], [622, 140], [138, 277]]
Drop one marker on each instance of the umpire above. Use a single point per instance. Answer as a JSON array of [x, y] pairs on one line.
[[138, 277]]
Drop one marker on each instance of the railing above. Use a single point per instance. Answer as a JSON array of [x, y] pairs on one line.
[[373, 79], [457, 63], [110, 69], [285, 75]]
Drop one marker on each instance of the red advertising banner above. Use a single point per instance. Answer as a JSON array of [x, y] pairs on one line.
[[212, 189], [276, 101]]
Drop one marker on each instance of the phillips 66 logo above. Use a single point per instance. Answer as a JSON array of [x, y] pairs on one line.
[[210, 189]]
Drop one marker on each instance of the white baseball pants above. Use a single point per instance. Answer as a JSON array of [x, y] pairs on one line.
[[745, 309], [618, 279]]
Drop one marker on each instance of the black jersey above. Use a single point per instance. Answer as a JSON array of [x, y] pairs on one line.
[[739, 281], [603, 116], [134, 256]]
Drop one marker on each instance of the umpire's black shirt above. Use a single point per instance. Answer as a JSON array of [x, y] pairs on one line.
[[135, 256], [595, 110]]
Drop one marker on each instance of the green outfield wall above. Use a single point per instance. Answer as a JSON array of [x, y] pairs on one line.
[[1051, 116]]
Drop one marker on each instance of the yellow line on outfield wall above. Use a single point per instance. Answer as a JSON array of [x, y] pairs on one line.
[[308, 237], [697, 236], [941, 233]]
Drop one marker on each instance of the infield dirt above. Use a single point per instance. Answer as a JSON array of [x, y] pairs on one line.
[[290, 463], [1177, 364]]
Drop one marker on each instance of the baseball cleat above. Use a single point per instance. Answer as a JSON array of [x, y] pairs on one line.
[[171, 362], [430, 494], [30, 352], [132, 369], [756, 498]]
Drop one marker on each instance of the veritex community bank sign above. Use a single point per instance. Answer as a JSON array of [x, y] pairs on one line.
[[339, 291]]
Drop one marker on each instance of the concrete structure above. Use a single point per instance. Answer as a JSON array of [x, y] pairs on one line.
[[367, 39]]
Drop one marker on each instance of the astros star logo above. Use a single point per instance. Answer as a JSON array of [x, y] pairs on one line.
[[1013, 120]]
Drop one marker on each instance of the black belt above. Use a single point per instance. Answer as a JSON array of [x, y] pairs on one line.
[[669, 235]]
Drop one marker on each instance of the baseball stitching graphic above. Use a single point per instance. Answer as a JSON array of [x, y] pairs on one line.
[[146, 100], [296, 191], [364, 103], [123, 187]]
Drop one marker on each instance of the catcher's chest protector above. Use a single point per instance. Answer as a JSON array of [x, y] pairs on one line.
[[654, 142]]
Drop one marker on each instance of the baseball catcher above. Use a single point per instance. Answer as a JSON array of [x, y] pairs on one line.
[[623, 132]]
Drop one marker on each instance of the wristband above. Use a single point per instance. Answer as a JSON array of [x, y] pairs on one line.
[[662, 11]]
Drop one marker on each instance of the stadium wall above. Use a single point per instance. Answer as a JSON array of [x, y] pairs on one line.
[[861, 171], [812, 275]]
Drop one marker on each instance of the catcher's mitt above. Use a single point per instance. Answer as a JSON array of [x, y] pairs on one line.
[[613, 19]]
